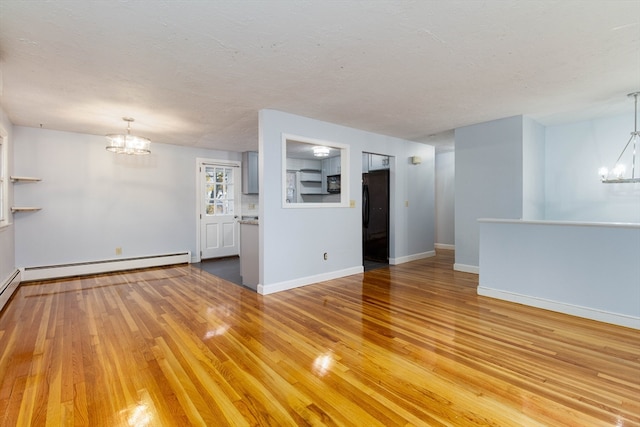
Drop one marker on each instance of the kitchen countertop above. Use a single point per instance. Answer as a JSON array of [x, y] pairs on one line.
[[249, 219]]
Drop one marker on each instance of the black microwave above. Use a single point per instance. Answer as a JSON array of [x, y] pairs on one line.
[[333, 184]]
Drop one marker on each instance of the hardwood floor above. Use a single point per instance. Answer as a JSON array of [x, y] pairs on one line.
[[406, 345]]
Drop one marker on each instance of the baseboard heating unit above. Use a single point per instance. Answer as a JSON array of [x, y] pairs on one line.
[[106, 266], [8, 287]]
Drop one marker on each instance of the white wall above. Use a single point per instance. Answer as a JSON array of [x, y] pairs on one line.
[[488, 180], [533, 170], [293, 241], [7, 234], [538, 173], [94, 201], [589, 270], [445, 198], [574, 153]]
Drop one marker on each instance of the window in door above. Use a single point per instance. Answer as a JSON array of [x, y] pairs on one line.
[[220, 190]]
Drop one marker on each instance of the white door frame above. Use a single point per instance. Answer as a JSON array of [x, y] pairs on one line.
[[199, 161]]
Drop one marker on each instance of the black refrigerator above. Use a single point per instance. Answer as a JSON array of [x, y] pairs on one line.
[[375, 216]]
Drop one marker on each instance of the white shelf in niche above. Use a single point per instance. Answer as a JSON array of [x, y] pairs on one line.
[[24, 179]]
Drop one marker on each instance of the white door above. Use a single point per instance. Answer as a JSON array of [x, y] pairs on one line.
[[219, 208]]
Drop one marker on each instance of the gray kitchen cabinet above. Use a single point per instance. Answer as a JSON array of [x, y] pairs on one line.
[[250, 172], [372, 162], [331, 166]]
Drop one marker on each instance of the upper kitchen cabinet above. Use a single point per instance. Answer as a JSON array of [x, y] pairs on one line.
[[307, 165], [332, 166], [372, 162], [250, 172]]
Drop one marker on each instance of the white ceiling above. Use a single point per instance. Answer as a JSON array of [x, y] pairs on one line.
[[196, 73]]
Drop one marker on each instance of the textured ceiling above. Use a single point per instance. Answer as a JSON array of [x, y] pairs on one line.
[[197, 73]]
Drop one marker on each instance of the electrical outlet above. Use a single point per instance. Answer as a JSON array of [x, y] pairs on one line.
[[118, 251], [252, 206], [326, 256], [352, 203], [406, 203]]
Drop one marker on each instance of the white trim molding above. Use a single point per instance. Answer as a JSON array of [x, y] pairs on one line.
[[8, 287], [445, 246], [309, 280], [409, 258], [560, 307], [106, 266], [466, 268]]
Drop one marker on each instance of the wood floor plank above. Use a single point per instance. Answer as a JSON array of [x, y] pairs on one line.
[[408, 345]]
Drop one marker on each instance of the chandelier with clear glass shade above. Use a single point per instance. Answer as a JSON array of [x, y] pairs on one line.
[[127, 143], [618, 174]]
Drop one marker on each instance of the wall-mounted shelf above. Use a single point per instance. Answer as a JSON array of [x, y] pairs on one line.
[[15, 209], [24, 179]]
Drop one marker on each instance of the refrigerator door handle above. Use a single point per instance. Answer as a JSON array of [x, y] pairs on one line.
[[365, 206]]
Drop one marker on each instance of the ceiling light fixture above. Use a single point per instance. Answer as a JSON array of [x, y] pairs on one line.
[[321, 151], [128, 144], [617, 174]]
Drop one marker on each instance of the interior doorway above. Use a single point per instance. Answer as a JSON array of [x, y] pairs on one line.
[[375, 212]]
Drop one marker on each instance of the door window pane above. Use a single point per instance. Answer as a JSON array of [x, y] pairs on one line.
[[219, 191]]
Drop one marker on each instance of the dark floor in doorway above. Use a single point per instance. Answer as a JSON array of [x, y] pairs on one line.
[[374, 265], [227, 268]]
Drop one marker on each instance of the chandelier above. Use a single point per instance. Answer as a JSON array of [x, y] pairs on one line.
[[127, 143], [618, 173]]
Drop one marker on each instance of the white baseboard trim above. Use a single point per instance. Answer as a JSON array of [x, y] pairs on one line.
[[445, 246], [560, 307], [466, 268], [309, 280], [106, 266], [8, 287], [409, 258]]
